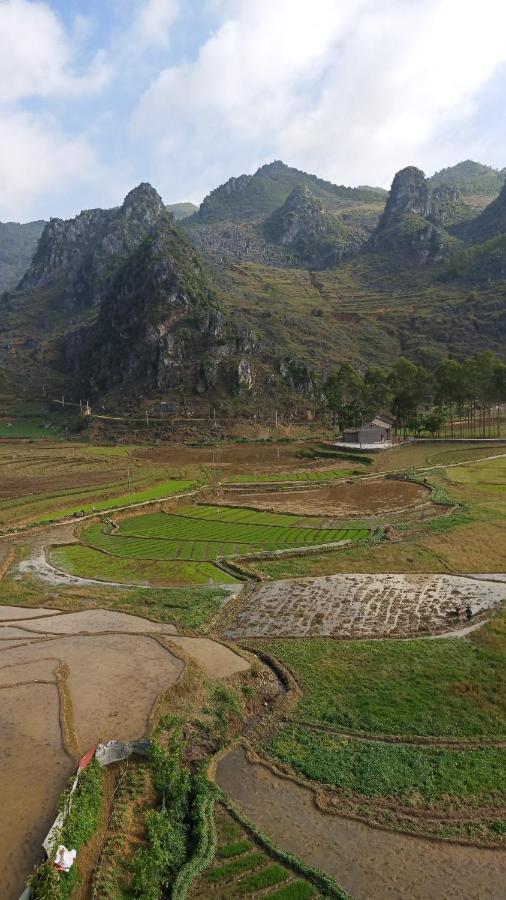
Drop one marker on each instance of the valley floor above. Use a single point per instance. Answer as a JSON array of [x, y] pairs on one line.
[[281, 606]]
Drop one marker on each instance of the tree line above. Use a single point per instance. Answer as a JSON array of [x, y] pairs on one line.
[[461, 397]]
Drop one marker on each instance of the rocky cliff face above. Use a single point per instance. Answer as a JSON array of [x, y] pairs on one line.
[[17, 246], [409, 194], [311, 236], [78, 257], [411, 222], [160, 327]]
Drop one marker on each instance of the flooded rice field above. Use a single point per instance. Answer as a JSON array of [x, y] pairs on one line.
[[369, 863], [369, 497], [62, 691], [361, 606]]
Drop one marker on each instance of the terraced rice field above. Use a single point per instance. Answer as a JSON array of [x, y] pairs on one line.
[[208, 533], [315, 475]]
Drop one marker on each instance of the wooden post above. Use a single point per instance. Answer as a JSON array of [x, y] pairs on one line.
[[147, 419], [276, 420]]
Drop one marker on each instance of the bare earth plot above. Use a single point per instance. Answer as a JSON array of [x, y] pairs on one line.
[[370, 497], [68, 681], [361, 606]]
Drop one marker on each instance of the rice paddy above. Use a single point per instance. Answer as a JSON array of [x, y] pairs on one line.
[[209, 533], [276, 477]]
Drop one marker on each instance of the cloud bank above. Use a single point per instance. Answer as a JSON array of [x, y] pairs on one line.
[[187, 94]]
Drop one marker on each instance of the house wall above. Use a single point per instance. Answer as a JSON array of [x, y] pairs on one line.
[[371, 434]]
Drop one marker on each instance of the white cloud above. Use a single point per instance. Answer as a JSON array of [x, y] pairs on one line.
[[36, 55], [156, 17], [351, 90], [36, 159]]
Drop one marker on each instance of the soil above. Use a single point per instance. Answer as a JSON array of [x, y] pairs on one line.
[[364, 860], [33, 771], [77, 679], [231, 459], [113, 681], [369, 497], [361, 606], [216, 660]]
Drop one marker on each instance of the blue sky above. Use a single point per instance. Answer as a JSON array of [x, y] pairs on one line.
[[98, 95]]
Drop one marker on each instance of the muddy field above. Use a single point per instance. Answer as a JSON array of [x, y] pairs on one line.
[[361, 606], [25, 471], [68, 681], [370, 497], [232, 458], [369, 863]]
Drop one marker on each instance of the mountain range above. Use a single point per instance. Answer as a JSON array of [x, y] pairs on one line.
[[274, 280]]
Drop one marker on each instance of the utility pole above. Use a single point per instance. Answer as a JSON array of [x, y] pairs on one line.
[[81, 405], [214, 416], [63, 401]]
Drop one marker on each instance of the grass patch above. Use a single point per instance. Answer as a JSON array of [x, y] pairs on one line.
[[334, 453], [406, 773], [297, 890], [87, 562], [443, 687], [229, 870], [267, 878], [29, 429], [156, 492], [235, 849]]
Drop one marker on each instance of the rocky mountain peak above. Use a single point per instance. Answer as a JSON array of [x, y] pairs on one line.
[[302, 225], [300, 210], [144, 198], [411, 224], [79, 255], [160, 326], [409, 194]]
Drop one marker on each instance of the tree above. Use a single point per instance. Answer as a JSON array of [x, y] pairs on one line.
[[412, 388], [344, 391], [451, 388]]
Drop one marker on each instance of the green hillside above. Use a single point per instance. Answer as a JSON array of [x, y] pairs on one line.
[[470, 178], [250, 198]]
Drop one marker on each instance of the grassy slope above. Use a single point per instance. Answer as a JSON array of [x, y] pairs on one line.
[[367, 310], [443, 687], [388, 770]]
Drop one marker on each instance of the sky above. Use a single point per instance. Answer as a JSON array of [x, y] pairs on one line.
[[99, 95]]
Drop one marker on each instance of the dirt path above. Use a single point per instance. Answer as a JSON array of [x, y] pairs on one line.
[[369, 863]]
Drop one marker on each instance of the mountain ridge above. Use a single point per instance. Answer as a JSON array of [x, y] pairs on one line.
[[111, 303]]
